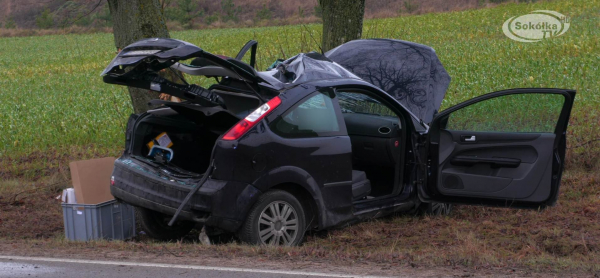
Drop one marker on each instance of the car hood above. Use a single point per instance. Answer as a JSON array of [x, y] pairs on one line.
[[409, 72]]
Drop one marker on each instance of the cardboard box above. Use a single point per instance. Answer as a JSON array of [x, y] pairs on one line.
[[163, 141], [91, 180]]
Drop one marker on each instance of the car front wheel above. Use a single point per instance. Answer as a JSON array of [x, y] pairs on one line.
[[277, 218]]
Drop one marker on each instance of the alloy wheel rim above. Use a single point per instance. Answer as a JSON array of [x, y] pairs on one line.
[[278, 224]]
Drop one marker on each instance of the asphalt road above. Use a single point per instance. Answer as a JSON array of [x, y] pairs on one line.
[[11, 266]]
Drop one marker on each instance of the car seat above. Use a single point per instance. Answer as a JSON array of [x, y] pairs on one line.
[[361, 186]]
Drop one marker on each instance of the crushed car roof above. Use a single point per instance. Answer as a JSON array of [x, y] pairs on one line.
[[305, 67]]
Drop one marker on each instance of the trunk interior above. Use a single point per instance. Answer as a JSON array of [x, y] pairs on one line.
[[193, 131]]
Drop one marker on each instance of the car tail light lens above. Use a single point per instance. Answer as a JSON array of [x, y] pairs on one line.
[[246, 124]]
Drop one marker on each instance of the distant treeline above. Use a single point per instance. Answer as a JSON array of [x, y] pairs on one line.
[[188, 14]]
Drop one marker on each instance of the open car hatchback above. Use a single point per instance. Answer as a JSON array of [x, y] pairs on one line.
[[320, 141]]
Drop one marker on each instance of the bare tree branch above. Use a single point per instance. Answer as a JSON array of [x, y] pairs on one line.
[[88, 13], [313, 38]]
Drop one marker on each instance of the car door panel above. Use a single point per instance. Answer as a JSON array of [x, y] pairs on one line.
[[497, 157], [483, 177]]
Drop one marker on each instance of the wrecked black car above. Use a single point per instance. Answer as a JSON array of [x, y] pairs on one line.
[[320, 141]]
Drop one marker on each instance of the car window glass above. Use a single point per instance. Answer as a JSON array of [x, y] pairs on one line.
[[510, 113], [351, 102], [314, 116]]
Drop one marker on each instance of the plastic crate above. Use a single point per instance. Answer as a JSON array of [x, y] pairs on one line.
[[108, 220]]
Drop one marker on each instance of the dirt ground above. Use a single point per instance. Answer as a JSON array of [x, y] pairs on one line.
[[561, 240]]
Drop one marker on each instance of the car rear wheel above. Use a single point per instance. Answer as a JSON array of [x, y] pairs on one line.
[[277, 218], [156, 225]]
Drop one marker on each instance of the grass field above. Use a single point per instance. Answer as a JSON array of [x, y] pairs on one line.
[[53, 96], [54, 107]]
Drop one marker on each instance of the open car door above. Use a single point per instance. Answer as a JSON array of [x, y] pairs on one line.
[[505, 149]]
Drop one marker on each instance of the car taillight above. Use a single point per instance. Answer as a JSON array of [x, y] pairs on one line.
[[246, 124]]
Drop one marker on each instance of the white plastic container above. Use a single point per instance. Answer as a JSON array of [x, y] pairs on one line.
[[68, 196]]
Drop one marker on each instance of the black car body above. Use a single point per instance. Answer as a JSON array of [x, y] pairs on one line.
[[328, 139]]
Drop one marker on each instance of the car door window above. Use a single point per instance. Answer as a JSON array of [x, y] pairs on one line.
[[313, 116], [510, 113], [353, 102]]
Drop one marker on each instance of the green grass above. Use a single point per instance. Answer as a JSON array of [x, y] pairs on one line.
[[52, 96]]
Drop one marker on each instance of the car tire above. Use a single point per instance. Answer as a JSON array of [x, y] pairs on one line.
[[434, 209], [156, 225], [278, 216]]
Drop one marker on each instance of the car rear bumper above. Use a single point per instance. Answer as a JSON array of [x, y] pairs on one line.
[[218, 203]]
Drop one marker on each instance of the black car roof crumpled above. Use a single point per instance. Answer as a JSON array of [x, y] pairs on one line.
[[410, 72], [305, 67]]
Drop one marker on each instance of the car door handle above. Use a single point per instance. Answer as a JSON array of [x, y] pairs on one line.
[[495, 162], [468, 138]]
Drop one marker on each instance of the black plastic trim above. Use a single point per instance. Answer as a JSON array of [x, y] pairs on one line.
[[137, 201], [494, 162]]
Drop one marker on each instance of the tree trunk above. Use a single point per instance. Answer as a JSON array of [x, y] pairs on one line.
[[134, 20], [342, 21]]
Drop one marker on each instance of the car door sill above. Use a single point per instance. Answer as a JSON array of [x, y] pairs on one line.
[[390, 196], [406, 205]]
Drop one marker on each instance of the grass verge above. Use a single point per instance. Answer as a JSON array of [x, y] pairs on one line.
[[561, 239]]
